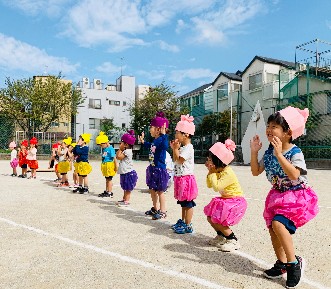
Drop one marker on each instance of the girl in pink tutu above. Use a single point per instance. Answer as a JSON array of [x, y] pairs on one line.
[[13, 158], [185, 185], [291, 203], [128, 176], [228, 209]]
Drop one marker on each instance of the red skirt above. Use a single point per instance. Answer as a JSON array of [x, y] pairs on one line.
[[33, 164]]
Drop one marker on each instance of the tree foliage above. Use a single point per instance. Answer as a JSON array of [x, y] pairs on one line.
[[35, 103], [216, 124], [158, 98]]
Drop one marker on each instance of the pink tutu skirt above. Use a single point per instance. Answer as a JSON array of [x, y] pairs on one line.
[[300, 206], [226, 211], [185, 188], [14, 163]]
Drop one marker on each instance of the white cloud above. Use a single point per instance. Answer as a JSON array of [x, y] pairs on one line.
[[168, 47], [328, 24], [109, 68], [17, 55], [193, 73], [152, 74], [52, 8]]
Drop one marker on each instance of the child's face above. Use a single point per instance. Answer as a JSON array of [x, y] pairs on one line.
[[104, 145], [123, 146], [154, 131], [275, 130], [32, 145], [11, 148], [63, 145], [180, 136], [23, 147], [209, 163]]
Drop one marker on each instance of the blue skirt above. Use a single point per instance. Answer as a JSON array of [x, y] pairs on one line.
[[157, 179], [128, 181]]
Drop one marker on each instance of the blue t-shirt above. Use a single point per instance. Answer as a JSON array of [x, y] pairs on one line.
[[157, 152], [275, 173], [81, 152], [108, 154]]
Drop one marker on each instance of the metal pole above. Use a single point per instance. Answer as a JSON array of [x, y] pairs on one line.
[[231, 116]]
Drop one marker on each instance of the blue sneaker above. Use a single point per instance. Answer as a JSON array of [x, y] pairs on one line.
[[184, 228], [178, 224], [159, 215]]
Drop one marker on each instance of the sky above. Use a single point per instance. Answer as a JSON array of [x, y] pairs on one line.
[[183, 43]]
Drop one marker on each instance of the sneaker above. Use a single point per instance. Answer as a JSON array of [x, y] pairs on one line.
[[179, 223], [76, 190], [84, 191], [294, 273], [217, 241], [123, 203], [151, 212], [184, 228], [60, 184], [230, 245], [159, 215], [105, 194], [277, 271]]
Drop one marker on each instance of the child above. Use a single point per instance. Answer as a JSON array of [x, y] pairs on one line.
[[156, 173], [13, 158], [228, 209], [108, 165], [72, 164], [32, 157], [185, 185], [128, 176], [291, 203], [82, 165], [53, 162], [22, 161], [64, 161], [170, 169]]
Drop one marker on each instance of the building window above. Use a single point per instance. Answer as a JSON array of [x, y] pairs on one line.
[[54, 124], [255, 81], [94, 123], [114, 102], [65, 124], [328, 107], [94, 103], [196, 100], [222, 90], [271, 77], [124, 103], [123, 125], [236, 87]]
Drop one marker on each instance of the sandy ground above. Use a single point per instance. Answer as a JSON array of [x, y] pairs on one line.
[[52, 238]]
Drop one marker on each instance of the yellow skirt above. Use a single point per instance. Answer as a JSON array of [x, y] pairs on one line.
[[63, 167], [108, 169], [83, 168], [75, 167]]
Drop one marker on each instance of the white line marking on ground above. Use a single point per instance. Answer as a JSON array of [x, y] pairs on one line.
[[124, 258]]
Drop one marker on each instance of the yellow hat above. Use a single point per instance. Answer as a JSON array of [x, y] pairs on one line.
[[67, 141], [101, 138], [86, 137], [73, 144]]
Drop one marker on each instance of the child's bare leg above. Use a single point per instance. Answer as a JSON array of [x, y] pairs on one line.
[[285, 244], [14, 171], [155, 199], [109, 185], [85, 179], [218, 227], [162, 200], [127, 195], [188, 215]]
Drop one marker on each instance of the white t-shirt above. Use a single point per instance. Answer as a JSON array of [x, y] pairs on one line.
[[13, 155], [32, 154], [187, 167], [126, 164]]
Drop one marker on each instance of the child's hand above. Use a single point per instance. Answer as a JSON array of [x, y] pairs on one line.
[[255, 144], [163, 129], [278, 145], [141, 137], [175, 144]]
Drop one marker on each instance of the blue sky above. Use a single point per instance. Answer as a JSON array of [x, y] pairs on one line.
[[185, 43]]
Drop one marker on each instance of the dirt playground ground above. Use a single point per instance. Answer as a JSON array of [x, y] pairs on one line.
[[53, 238]]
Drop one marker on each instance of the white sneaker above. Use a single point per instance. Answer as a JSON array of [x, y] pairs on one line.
[[229, 246], [217, 241]]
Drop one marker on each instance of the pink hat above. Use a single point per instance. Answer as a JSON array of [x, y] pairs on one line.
[[12, 144], [159, 120], [129, 137], [224, 151], [186, 124], [296, 119]]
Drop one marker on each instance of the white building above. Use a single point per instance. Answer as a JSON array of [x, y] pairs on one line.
[[104, 102], [141, 91]]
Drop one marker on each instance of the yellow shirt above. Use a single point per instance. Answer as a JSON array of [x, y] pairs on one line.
[[225, 182]]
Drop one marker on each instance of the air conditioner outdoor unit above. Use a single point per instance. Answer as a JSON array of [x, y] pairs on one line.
[[97, 84], [86, 82]]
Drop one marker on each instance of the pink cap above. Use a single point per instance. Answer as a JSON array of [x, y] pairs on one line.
[[224, 151], [129, 137], [296, 119], [186, 124], [12, 144], [159, 120]]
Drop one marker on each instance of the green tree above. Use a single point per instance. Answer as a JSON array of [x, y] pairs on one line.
[[35, 103], [158, 98], [6, 131], [217, 124]]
